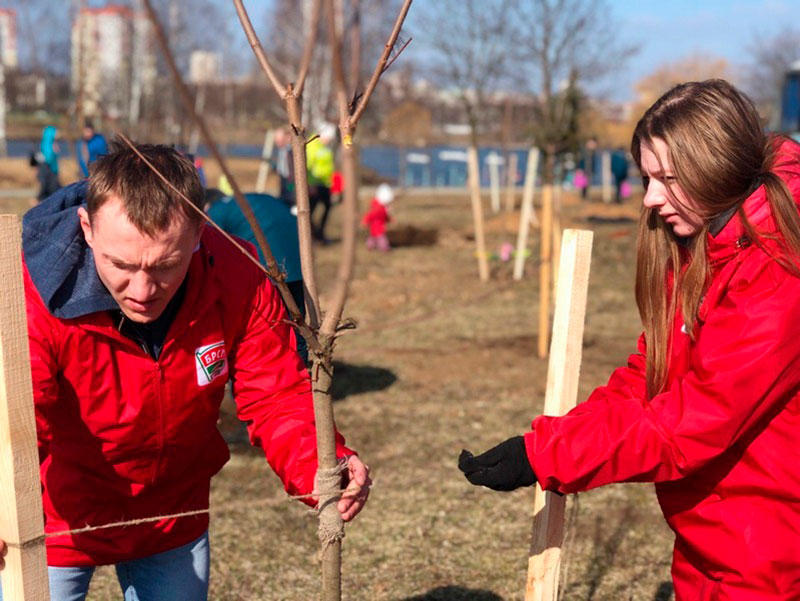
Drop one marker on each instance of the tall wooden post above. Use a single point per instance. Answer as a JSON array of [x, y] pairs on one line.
[[477, 212], [561, 395], [493, 161], [25, 576], [606, 173], [545, 268], [527, 214], [557, 232], [263, 167], [511, 176]]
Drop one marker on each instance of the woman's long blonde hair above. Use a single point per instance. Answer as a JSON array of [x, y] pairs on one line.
[[719, 155]]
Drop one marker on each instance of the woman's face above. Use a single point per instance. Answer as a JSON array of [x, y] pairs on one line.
[[664, 194]]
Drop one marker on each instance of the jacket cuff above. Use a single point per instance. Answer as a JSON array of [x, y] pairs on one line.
[[538, 438]]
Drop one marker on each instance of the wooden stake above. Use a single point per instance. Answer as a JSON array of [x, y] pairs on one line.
[[511, 190], [561, 395], [527, 214], [557, 234], [545, 268], [263, 168], [477, 212], [25, 576], [493, 160], [606, 173]]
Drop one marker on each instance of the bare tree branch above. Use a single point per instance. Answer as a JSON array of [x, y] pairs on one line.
[[379, 68], [255, 44], [308, 52], [293, 109], [337, 66], [396, 54], [355, 45]]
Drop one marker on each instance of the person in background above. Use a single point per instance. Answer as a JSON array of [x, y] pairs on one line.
[[47, 163], [91, 146], [280, 228], [283, 163], [224, 186], [337, 187], [201, 171], [320, 166], [586, 166], [377, 217], [708, 408], [619, 169]]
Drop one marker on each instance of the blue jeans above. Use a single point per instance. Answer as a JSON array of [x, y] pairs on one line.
[[177, 575]]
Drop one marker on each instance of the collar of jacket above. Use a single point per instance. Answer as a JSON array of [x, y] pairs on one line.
[[732, 237]]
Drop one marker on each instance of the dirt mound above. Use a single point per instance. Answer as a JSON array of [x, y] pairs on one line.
[[409, 235]]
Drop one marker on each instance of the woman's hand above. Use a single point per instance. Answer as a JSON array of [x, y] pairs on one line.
[[504, 467]]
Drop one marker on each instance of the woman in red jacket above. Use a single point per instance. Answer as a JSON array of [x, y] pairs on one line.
[[709, 406]]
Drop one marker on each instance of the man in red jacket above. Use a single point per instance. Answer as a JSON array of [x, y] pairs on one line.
[[138, 315]]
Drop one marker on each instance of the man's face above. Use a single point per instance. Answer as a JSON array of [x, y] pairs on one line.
[[141, 273], [88, 132], [281, 138]]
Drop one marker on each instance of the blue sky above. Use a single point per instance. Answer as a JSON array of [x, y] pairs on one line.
[[664, 31], [673, 29]]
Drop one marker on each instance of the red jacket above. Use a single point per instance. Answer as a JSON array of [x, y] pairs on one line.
[[721, 442], [123, 436], [376, 218]]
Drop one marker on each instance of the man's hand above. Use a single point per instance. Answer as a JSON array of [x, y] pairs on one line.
[[357, 482], [504, 467]]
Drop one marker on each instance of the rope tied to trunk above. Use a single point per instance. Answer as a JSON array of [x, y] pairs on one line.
[[331, 527]]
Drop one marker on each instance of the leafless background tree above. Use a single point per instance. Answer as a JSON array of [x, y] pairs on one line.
[[568, 45], [472, 49], [771, 57]]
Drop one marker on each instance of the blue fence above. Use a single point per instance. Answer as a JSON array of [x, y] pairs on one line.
[[435, 166]]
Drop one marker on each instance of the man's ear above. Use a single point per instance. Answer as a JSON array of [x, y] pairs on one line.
[[86, 226], [199, 232]]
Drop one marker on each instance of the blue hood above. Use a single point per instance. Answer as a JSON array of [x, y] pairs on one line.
[[59, 261]]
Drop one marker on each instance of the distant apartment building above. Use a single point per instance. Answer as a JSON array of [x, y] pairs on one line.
[[8, 37], [113, 60]]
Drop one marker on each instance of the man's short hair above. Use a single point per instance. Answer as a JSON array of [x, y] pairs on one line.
[[147, 201]]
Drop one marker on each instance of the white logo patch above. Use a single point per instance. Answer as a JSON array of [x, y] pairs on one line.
[[211, 362]]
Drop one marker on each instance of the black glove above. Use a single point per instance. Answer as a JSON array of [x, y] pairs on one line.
[[504, 467]]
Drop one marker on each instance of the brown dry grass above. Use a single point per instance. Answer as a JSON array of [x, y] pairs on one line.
[[441, 362]]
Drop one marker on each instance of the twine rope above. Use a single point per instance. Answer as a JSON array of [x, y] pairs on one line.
[[328, 482]]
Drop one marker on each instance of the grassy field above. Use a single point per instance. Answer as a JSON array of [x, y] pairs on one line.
[[441, 362]]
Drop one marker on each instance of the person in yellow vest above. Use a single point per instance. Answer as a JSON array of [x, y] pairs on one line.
[[319, 160]]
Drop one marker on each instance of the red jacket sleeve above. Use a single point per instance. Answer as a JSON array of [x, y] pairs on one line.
[[273, 394], [742, 371]]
